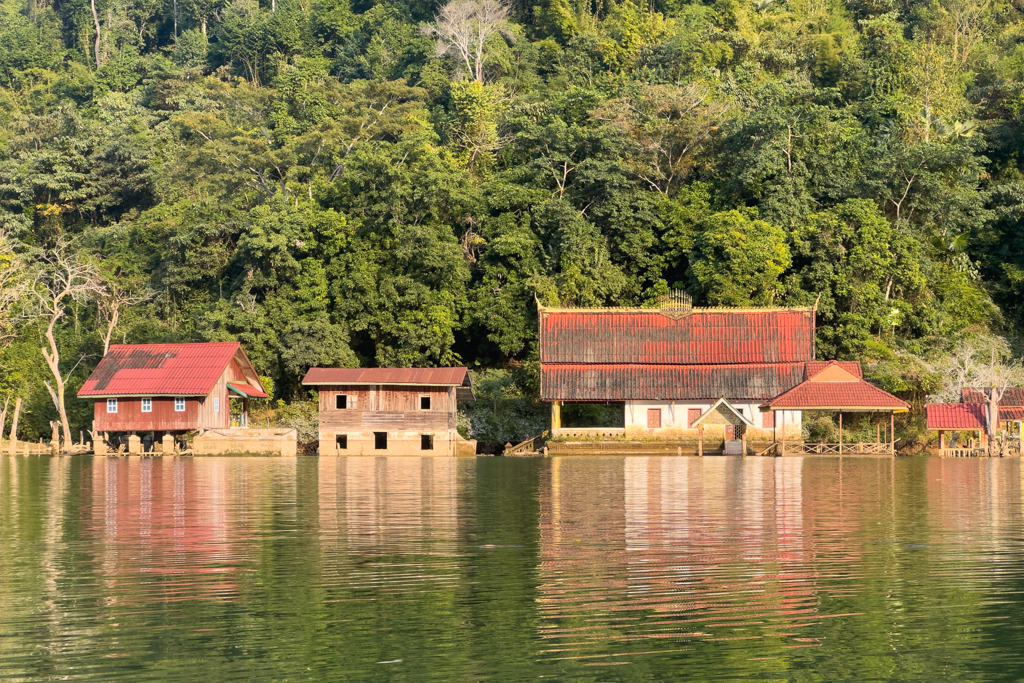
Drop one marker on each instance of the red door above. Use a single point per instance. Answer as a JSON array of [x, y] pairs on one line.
[[730, 432], [654, 418]]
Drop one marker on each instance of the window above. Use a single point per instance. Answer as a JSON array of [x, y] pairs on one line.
[[147, 405], [767, 420], [341, 402], [424, 403], [179, 405], [692, 414], [216, 404], [341, 442], [380, 441], [654, 418], [111, 405], [426, 442]]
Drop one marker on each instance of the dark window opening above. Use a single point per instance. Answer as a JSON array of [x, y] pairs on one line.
[[426, 442], [380, 441], [341, 401], [341, 441], [424, 403]]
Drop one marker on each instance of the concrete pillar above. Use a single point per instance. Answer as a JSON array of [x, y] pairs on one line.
[[134, 445], [168, 444], [556, 416]]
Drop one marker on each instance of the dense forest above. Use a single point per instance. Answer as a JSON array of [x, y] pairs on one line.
[[339, 182]]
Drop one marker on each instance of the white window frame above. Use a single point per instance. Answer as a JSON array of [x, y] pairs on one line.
[[111, 403], [216, 404], [348, 402], [147, 405], [430, 401], [179, 402]]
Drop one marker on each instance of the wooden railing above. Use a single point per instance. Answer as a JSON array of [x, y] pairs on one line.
[[531, 445], [770, 452], [969, 452], [868, 448]]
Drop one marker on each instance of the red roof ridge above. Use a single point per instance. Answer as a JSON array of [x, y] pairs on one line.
[[676, 311]]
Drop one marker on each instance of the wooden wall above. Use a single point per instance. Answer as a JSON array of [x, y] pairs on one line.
[[130, 418], [391, 409]]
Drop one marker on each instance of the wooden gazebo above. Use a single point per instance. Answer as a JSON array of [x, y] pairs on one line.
[[836, 389]]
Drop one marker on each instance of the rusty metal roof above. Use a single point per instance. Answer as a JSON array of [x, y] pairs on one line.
[[629, 382], [669, 337], [956, 416], [162, 369], [448, 377]]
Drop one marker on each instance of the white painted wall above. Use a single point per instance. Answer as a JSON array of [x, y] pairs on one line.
[[674, 414]]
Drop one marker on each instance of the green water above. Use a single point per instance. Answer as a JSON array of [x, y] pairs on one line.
[[573, 569]]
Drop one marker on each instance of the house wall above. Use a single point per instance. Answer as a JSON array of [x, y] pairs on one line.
[[390, 409], [208, 419], [674, 420], [130, 418]]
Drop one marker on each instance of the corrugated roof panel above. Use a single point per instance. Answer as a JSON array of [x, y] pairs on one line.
[[451, 377], [654, 336], [956, 416], [626, 382], [159, 369]]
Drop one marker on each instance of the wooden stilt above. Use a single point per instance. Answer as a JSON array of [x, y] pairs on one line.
[[782, 445], [892, 431], [700, 441], [840, 432]]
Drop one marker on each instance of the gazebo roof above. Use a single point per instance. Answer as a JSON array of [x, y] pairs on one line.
[[956, 416], [834, 387]]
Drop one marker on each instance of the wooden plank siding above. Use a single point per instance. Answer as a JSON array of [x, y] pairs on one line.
[[391, 409]]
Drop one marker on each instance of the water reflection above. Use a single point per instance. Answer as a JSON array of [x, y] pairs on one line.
[[587, 568]]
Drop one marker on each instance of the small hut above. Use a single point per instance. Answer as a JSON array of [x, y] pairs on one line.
[[391, 411], [152, 391]]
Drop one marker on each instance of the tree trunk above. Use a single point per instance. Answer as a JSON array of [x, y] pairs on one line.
[[3, 417], [57, 391], [993, 418], [14, 424], [203, 26], [96, 22]]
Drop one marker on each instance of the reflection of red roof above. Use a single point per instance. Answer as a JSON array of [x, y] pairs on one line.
[[956, 416], [693, 337], [161, 369], [836, 389], [247, 390]]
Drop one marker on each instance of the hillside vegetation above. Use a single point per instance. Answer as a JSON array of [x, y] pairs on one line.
[[350, 183]]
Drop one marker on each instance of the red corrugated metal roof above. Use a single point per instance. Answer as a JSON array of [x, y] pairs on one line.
[[247, 390], [159, 369], [699, 337], [956, 416], [629, 382], [449, 377], [858, 395]]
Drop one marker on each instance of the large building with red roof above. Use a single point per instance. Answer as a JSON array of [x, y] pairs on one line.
[[390, 411], [171, 388], [679, 371]]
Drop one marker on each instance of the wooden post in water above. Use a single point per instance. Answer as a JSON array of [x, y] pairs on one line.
[[892, 431], [700, 440], [782, 446], [840, 432]]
